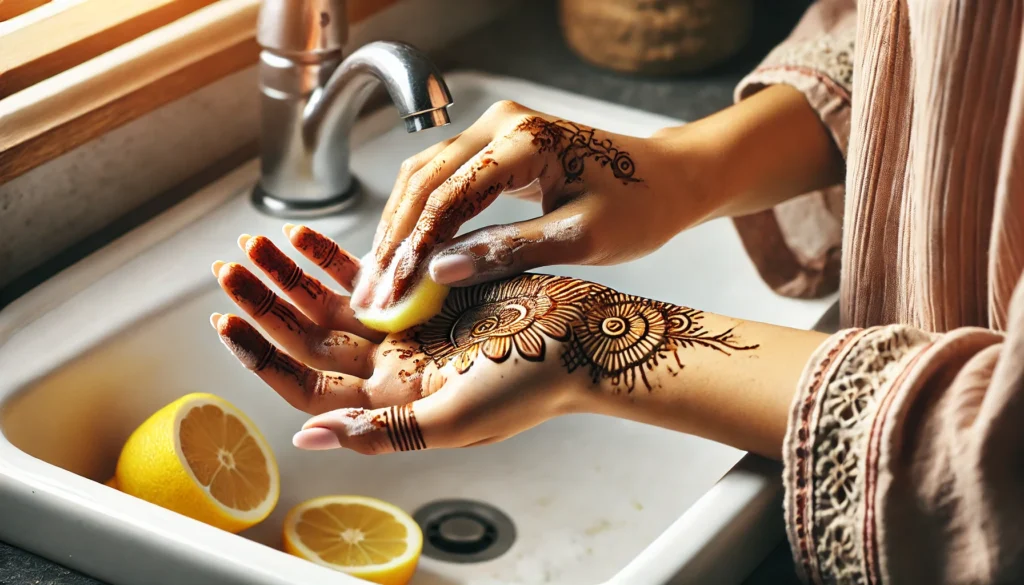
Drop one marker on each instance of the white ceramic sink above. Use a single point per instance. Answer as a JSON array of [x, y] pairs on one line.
[[91, 353]]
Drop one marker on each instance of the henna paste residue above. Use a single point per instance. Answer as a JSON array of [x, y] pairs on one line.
[[284, 272], [251, 348]]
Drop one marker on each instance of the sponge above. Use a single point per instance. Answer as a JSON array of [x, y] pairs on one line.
[[420, 303]]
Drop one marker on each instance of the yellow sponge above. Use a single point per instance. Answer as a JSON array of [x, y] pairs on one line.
[[420, 303]]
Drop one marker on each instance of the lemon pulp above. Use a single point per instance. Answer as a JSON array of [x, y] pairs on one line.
[[201, 457], [364, 537]]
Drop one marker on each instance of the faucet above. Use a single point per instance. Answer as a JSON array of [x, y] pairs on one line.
[[311, 97]]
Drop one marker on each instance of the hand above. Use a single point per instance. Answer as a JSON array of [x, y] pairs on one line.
[[407, 391], [604, 198], [502, 357]]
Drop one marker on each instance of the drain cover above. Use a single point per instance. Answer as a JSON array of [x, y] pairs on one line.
[[464, 531]]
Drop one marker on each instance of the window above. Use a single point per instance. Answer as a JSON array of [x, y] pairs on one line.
[[71, 70]]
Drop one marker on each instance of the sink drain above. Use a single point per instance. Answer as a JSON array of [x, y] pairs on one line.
[[464, 531]]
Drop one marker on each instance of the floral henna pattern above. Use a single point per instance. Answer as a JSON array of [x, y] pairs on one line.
[[621, 337], [611, 335], [492, 319], [573, 144]]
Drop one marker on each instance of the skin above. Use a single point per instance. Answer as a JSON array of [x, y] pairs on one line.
[[709, 375], [746, 158]]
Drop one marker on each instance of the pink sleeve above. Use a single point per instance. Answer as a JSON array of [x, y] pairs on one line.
[[904, 458], [796, 244]]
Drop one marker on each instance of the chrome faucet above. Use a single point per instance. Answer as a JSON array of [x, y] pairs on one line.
[[310, 99]]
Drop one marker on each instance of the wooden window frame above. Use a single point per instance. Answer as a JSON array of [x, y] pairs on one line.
[[114, 68]]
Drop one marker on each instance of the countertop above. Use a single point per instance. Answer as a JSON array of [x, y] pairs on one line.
[[528, 44]]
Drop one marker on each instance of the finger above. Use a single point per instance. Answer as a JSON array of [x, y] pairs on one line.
[[324, 306], [408, 168], [325, 252], [431, 172], [305, 339], [423, 424], [309, 390], [419, 187], [461, 198], [502, 251]]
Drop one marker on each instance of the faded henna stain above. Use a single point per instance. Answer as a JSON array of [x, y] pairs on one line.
[[251, 348], [249, 291], [325, 252], [282, 270]]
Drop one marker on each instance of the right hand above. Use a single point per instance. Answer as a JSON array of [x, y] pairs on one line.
[[607, 199]]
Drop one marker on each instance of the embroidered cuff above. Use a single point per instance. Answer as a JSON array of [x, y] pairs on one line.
[[844, 388]]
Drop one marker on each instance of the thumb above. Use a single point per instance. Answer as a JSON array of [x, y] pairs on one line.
[[422, 424], [507, 250]]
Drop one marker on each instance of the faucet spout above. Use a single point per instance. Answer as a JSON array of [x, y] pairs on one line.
[[310, 105], [415, 85]]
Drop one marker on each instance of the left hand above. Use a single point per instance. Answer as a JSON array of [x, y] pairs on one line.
[[407, 391]]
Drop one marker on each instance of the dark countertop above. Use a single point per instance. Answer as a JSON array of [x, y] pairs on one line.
[[528, 44]]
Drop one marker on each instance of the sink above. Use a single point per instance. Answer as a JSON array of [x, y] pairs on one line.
[[88, 355]]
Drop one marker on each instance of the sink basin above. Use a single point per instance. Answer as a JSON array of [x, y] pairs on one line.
[[88, 355]]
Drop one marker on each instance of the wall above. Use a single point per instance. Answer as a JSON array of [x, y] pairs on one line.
[[54, 206]]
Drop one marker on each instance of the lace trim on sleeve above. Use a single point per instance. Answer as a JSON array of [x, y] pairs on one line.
[[829, 428]]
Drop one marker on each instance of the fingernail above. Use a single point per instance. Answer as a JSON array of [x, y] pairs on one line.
[[242, 239], [214, 318], [216, 268], [451, 268], [316, 439]]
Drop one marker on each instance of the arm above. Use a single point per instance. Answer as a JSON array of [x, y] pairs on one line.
[[505, 356], [594, 187]]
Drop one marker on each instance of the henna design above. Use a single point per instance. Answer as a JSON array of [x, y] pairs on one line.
[[285, 272], [403, 430], [573, 144], [495, 318], [621, 337], [249, 290], [441, 221], [611, 335], [326, 253]]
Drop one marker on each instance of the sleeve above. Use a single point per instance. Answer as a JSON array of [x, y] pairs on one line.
[[904, 457], [796, 244]]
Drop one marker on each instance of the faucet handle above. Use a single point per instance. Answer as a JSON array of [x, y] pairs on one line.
[[295, 27]]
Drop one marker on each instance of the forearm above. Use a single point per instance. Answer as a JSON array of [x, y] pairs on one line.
[[760, 152], [724, 379]]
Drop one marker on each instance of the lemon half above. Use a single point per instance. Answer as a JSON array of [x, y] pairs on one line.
[[423, 301], [364, 537], [201, 457]]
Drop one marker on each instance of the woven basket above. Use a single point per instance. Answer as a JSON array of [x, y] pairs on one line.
[[656, 37]]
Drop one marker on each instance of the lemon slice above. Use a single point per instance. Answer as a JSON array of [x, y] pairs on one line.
[[201, 457], [423, 301], [364, 537]]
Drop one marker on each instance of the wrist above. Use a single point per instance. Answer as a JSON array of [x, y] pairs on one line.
[[701, 183]]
